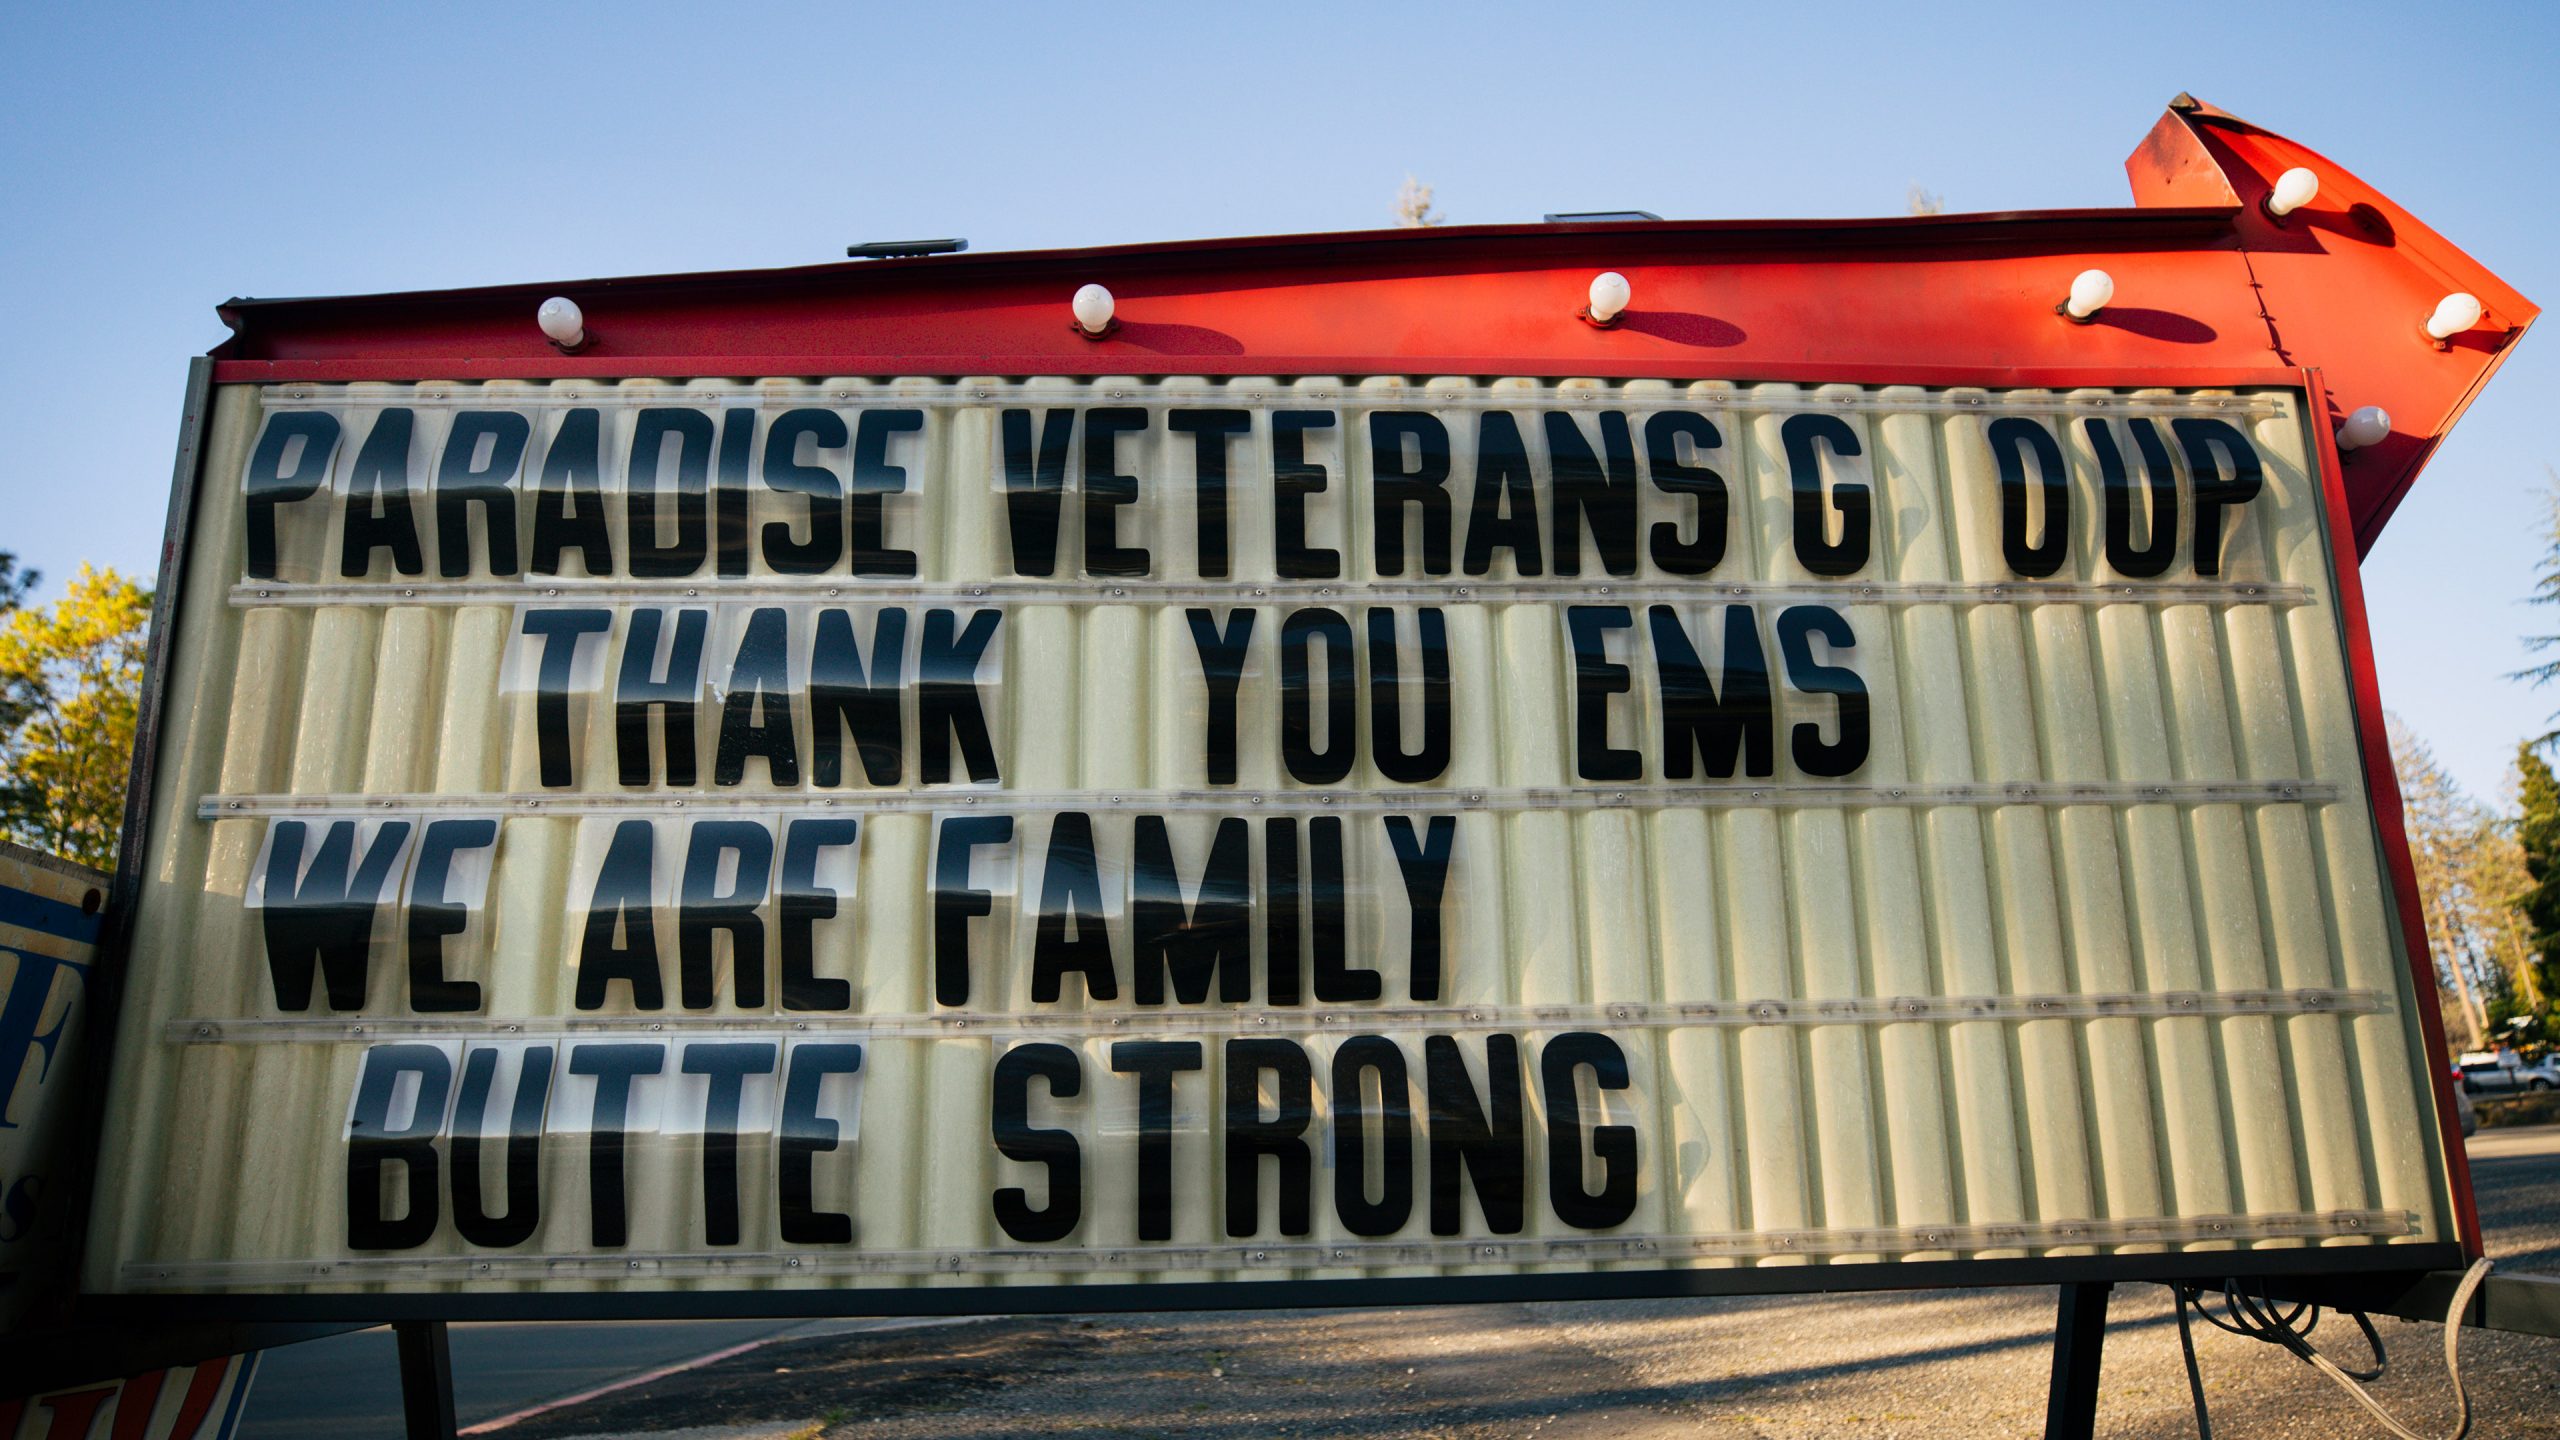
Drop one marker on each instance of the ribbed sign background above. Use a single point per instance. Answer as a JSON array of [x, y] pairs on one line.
[[922, 833]]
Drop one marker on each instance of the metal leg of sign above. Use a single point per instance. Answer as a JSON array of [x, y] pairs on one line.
[[2079, 1340], [426, 1379]]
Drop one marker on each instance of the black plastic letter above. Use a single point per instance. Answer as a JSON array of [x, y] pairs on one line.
[[372, 1143], [1306, 763], [461, 484], [1493, 1148], [617, 1066], [1595, 678], [801, 904], [956, 902], [1056, 1151], [806, 1135], [1797, 625], [1424, 484], [1222, 655], [1613, 1145], [2011, 438], [1155, 1063], [1251, 1135], [432, 917], [1804, 474], [1662, 436]]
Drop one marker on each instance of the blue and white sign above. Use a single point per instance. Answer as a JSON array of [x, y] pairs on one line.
[[50, 919]]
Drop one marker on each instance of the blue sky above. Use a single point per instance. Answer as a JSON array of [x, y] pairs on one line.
[[157, 160]]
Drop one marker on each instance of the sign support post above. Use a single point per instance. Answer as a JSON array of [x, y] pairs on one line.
[[426, 1379], [2079, 1345]]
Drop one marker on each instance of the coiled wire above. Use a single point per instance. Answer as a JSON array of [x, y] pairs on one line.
[[2258, 1317]]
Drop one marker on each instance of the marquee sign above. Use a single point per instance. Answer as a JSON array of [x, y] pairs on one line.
[[1829, 774], [49, 925], [924, 834]]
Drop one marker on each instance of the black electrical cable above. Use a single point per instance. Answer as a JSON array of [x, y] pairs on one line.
[[2257, 1317], [2195, 1380]]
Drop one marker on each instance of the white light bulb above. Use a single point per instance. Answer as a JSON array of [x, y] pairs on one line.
[[2366, 426], [2295, 188], [562, 320], [1093, 306], [2455, 313], [2090, 292], [1610, 293]]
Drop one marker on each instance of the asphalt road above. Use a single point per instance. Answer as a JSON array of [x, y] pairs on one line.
[[2515, 1176], [1930, 1363], [347, 1387]]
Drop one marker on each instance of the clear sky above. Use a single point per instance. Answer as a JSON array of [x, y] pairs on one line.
[[155, 160]]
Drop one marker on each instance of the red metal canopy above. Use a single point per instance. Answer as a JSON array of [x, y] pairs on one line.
[[2210, 290]]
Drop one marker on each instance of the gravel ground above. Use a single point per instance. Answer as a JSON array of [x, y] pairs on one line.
[[1933, 1363], [1859, 1366]]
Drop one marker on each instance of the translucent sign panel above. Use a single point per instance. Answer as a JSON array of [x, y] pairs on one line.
[[868, 835]]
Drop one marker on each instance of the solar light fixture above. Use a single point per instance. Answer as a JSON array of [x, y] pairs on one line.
[[2366, 425], [1093, 306], [2091, 290], [563, 324], [2295, 188], [904, 249], [2455, 313], [1610, 293]]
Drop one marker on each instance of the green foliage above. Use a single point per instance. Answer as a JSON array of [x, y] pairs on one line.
[[2546, 591], [73, 675], [2538, 830], [2508, 1008], [16, 696]]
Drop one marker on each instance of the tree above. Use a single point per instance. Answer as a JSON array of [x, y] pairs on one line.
[[1413, 206], [16, 697], [75, 670], [2546, 591], [2495, 877], [2443, 825], [2538, 834], [14, 582]]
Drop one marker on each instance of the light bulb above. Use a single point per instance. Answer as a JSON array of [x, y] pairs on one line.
[[1093, 306], [2090, 292], [1610, 293], [2295, 188], [2455, 313], [562, 321], [2366, 426]]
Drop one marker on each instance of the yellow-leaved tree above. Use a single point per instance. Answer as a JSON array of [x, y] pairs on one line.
[[72, 672]]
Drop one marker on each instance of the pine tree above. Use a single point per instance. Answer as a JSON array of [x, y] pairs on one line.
[[2546, 591], [18, 695], [2538, 833]]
